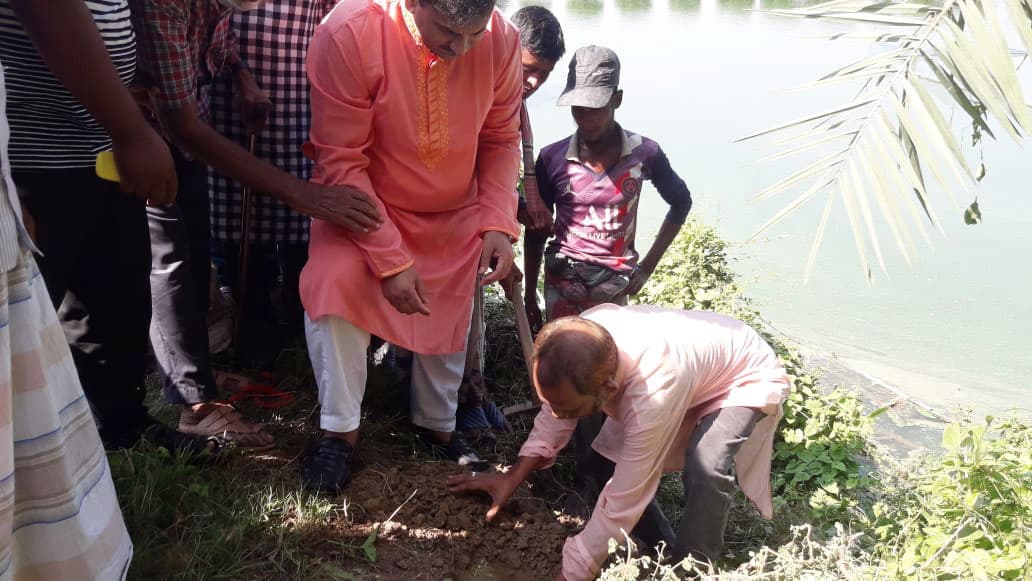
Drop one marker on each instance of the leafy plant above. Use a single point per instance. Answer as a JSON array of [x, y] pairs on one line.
[[817, 450], [878, 149], [967, 514], [696, 274]]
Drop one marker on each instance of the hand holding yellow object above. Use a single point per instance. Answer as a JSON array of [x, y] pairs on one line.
[[106, 168]]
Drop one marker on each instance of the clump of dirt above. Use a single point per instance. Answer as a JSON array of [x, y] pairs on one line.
[[438, 534]]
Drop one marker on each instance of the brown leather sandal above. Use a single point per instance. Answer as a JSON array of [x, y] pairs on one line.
[[225, 423]]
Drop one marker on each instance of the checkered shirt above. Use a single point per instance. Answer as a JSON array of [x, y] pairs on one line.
[[273, 41], [183, 45]]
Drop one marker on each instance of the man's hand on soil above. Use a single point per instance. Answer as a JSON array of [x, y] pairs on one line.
[[498, 247], [405, 292], [499, 486]]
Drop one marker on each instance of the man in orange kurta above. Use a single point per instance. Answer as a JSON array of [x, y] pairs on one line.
[[416, 103]]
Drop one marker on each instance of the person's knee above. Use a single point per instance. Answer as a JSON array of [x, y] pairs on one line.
[[708, 467]]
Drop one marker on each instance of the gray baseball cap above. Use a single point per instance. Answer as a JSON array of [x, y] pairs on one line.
[[594, 77]]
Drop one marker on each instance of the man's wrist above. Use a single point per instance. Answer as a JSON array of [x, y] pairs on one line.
[[506, 235], [292, 192], [129, 128]]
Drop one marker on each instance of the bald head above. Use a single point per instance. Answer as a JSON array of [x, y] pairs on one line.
[[574, 351]]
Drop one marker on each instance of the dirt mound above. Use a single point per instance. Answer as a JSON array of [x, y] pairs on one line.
[[440, 535]]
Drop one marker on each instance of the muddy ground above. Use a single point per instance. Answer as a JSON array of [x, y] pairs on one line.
[[435, 534], [439, 535]]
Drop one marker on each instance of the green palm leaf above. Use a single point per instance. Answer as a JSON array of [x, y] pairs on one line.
[[895, 131]]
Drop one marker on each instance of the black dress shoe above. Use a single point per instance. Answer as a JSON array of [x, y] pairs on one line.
[[457, 450], [328, 466]]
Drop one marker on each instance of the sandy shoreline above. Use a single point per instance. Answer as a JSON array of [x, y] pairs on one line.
[[920, 403]]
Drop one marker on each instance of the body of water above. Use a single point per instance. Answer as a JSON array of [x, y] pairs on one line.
[[951, 330]]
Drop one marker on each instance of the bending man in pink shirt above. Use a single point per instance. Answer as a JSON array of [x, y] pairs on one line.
[[687, 391]]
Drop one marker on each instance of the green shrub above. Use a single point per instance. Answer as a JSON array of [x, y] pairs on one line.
[[695, 274], [819, 445], [966, 514]]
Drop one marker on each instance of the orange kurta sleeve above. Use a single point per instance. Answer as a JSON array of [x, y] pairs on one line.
[[345, 70], [498, 149]]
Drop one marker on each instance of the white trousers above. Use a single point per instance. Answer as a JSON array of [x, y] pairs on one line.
[[337, 350]]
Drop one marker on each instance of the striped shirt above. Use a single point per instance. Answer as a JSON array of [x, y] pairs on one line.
[[12, 234], [49, 128]]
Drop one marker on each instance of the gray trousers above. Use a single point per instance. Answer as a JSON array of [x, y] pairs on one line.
[[180, 272], [708, 484]]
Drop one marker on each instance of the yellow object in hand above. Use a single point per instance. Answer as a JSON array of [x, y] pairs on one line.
[[106, 168]]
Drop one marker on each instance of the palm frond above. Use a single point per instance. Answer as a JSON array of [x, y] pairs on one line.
[[895, 134]]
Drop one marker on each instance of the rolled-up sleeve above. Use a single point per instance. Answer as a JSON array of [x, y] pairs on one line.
[[498, 147], [342, 132], [549, 436], [624, 498]]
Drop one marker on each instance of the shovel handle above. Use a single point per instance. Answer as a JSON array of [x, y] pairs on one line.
[[523, 330], [245, 256]]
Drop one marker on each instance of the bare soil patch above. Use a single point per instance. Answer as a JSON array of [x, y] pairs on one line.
[[441, 535]]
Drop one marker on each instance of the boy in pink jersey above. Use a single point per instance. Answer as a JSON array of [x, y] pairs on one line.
[[593, 180]]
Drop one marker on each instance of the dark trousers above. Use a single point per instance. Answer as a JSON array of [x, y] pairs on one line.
[[271, 265], [180, 241], [709, 486], [272, 316], [96, 260]]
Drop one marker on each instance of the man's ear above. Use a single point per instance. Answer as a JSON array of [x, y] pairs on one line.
[[617, 98], [411, 5]]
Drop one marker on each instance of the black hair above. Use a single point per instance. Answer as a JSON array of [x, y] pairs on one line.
[[461, 12], [540, 32]]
